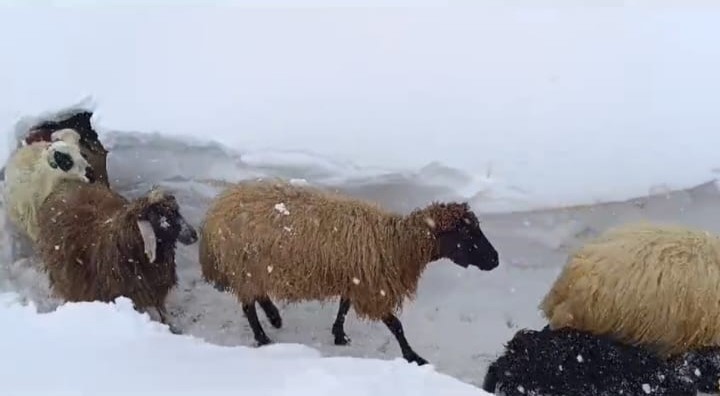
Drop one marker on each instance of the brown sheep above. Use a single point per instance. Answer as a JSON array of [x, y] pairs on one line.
[[645, 284], [97, 245], [298, 243]]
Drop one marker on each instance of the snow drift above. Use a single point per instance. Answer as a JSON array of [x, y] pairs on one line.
[[106, 349]]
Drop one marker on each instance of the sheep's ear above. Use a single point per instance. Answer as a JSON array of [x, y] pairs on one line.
[[149, 240]]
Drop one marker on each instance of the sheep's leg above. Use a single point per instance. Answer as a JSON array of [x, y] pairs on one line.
[[393, 323], [258, 332], [338, 328], [271, 311], [491, 379]]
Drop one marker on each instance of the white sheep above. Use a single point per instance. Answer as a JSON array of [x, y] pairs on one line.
[[33, 172]]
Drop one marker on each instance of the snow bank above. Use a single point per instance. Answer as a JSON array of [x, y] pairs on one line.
[[102, 349]]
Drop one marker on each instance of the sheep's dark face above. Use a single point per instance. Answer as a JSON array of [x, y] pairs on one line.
[[460, 238], [168, 224]]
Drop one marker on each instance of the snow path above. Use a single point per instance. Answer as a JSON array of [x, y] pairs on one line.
[[461, 317]]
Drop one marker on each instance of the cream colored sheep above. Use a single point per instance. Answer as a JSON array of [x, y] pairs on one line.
[[33, 172], [652, 285], [295, 243]]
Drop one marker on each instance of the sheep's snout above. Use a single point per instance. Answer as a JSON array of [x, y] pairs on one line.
[[492, 261], [188, 235], [469, 250]]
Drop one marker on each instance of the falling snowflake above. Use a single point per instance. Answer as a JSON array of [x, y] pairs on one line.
[[579, 358], [646, 388], [164, 222], [269, 268], [356, 281], [280, 207], [382, 292]]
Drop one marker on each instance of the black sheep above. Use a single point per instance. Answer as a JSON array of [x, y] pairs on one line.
[[703, 366], [567, 362]]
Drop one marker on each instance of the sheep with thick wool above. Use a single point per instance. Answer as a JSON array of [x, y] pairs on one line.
[[646, 285], [97, 245], [567, 362], [35, 170], [265, 239]]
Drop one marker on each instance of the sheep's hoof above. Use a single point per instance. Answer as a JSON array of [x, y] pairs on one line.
[[174, 330], [415, 358], [263, 341], [275, 321], [342, 339]]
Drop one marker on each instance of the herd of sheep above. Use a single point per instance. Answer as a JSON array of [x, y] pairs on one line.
[[634, 312]]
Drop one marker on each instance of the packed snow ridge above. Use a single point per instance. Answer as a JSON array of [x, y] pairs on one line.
[[102, 349]]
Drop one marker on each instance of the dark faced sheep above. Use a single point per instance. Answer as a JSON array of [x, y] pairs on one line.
[[645, 284], [90, 146], [569, 362], [298, 243], [96, 245]]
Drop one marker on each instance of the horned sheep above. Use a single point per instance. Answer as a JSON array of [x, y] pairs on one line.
[[35, 170], [299, 243], [645, 284], [97, 245]]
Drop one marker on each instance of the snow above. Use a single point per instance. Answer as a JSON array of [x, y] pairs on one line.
[[512, 108], [519, 107], [109, 349]]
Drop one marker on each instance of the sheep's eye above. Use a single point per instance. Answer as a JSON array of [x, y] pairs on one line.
[[63, 161]]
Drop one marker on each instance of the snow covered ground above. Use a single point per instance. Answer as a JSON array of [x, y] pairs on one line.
[[520, 110], [104, 349], [459, 321]]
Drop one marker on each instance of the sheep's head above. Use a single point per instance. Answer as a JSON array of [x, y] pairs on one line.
[[65, 159], [458, 235], [161, 221], [78, 121]]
